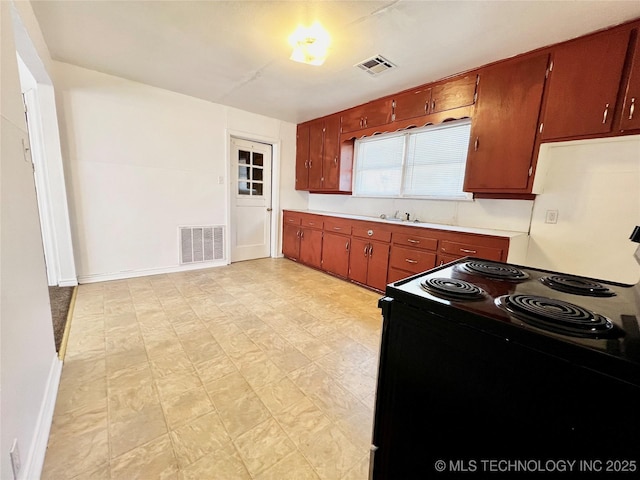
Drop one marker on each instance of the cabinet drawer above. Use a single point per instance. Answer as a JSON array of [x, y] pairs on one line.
[[411, 259], [371, 232], [337, 226], [291, 219], [312, 221], [416, 241], [465, 249]]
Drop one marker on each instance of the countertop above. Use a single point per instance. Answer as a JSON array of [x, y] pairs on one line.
[[435, 226]]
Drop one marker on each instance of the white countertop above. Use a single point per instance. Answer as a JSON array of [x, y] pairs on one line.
[[435, 226]]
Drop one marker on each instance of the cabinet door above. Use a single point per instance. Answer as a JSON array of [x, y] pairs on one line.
[[311, 247], [335, 254], [415, 103], [504, 126], [631, 109], [378, 265], [291, 241], [331, 156], [378, 113], [316, 143], [456, 93], [583, 85], [302, 157], [359, 260], [352, 120]]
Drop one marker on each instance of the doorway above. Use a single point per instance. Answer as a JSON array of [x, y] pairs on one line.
[[251, 201]]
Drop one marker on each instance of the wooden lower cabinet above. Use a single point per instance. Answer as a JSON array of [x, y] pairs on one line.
[[335, 253], [311, 247], [291, 241], [368, 262], [376, 254]]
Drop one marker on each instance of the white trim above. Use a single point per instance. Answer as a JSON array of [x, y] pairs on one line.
[[32, 467], [68, 282], [276, 160], [105, 277]]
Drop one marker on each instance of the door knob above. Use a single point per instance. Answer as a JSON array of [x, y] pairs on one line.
[[269, 209]]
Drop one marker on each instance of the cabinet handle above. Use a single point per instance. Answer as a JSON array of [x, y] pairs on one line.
[[306, 164], [441, 262], [298, 234], [632, 107], [370, 250], [476, 144], [606, 112], [468, 251], [335, 161], [433, 105], [426, 107], [301, 234], [408, 260], [411, 240], [337, 228], [346, 246]]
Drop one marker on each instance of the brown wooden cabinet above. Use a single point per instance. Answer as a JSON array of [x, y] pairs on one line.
[[630, 118], [369, 258], [319, 163], [434, 98], [302, 238], [504, 126], [302, 157], [372, 114], [411, 252], [583, 85], [336, 247]]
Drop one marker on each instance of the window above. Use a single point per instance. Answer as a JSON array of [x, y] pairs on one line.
[[428, 162]]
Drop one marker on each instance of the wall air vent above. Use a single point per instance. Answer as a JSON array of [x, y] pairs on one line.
[[375, 65], [201, 244]]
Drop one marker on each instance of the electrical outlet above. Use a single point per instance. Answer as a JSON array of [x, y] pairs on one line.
[[551, 217], [14, 454]]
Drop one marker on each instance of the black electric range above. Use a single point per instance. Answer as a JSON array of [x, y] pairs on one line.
[[486, 361]]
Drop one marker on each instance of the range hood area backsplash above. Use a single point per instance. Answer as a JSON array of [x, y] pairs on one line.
[[593, 185]]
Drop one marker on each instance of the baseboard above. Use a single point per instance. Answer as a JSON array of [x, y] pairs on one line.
[[70, 282], [32, 466], [105, 277]]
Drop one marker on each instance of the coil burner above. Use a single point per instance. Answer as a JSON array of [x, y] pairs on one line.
[[452, 288], [497, 271], [577, 286], [558, 316]]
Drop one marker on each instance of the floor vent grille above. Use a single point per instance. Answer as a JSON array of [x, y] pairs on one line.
[[201, 244], [375, 65]]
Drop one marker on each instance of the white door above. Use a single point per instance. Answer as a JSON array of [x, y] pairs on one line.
[[250, 200]]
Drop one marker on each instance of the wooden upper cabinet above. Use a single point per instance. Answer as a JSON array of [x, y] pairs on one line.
[[630, 118], [316, 152], [372, 114], [302, 157], [455, 93], [331, 157], [411, 104], [434, 98], [504, 126], [583, 85]]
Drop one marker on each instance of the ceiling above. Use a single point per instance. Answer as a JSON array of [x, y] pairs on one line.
[[236, 52]]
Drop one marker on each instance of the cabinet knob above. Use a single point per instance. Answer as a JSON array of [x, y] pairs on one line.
[[370, 233], [632, 107]]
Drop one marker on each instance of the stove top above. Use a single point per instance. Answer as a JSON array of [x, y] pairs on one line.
[[520, 301]]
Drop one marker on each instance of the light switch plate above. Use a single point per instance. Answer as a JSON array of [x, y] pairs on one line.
[[551, 216]]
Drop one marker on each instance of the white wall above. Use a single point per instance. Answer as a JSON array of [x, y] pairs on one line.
[[595, 187], [513, 215], [143, 161], [29, 367]]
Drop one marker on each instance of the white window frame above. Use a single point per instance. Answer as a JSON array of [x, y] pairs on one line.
[[463, 196]]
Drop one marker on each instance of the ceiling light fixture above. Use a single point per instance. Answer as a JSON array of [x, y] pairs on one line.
[[310, 44]]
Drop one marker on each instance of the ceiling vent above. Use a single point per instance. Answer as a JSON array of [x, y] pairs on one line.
[[375, 65]]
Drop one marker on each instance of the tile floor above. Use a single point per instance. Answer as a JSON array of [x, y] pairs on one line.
[[259, 370]]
